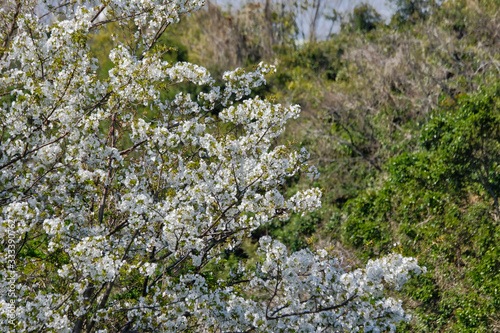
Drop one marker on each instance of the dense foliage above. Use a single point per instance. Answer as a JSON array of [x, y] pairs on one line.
[[402, 120], [130, 177]]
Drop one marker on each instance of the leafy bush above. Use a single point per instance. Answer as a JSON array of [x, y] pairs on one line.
[[440, 204]]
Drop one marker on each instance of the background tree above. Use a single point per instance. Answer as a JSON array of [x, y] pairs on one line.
[[412, 10], [364, 18]]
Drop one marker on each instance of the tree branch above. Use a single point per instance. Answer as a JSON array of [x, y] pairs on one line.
[[333, 307]]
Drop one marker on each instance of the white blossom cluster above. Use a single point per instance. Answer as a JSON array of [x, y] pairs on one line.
[[120, 218]]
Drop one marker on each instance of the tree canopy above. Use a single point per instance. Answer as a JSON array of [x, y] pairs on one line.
[[119, 199]]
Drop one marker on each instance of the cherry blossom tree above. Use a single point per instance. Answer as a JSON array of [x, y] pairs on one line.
[[113, 220]]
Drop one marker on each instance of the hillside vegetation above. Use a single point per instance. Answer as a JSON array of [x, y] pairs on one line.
[[403, 122]]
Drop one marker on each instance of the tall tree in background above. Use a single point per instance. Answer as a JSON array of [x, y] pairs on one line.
[[364, 18]]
